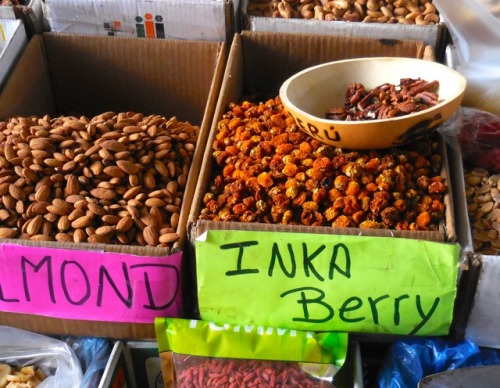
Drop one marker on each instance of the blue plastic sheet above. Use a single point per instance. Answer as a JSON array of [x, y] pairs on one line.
[[411, 360], [93, 354]]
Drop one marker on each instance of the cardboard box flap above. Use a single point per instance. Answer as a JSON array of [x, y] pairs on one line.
[[108, 78], [280, 54], [31, 70]]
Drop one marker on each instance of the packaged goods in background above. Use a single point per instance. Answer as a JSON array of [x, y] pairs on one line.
[[159, 19], [386, 20], [199, 354], [29, 355]]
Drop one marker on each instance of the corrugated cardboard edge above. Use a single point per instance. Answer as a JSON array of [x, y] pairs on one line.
[[13, 49], [233, 85]]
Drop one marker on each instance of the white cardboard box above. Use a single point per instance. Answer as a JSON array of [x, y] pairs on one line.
[[31, 15], [13, 40], [191, 19], [432, 35]]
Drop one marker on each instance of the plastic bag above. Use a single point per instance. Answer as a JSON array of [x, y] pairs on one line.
[[476, 37], [54, 357], [479, 138], [93, 354], [200, 354], [410, 361]]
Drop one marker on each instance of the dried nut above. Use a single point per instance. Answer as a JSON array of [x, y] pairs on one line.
[[99, 180]]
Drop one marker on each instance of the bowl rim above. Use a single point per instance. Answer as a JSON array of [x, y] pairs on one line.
[[462, 83]]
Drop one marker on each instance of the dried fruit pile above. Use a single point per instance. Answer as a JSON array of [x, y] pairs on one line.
[[115, 178], [268, 170], [20, 377], [206, 372]]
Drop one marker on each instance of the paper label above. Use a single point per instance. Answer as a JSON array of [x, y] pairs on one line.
[[327, 282], [89, 285]]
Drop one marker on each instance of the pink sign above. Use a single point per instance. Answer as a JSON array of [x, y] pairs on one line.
[[89, 285]]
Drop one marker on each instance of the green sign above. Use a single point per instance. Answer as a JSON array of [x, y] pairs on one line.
[[322, 282]]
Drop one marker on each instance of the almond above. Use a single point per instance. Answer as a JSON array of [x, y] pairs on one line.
[[168, 238], [41, 143], [72, 185], [16, 192], [96, 209], [161, 168], [63, 224], [34, 225], [124, 224], [114, 171], [132, 192], [158, 202], [113, 145], [128, 167], [42, 194], [4, 215], [82, 222], [8, 233], [103, 193], [151, 236], [63, 237], [104, 230]]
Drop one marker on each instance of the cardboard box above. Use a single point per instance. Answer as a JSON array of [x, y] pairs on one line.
[[13, 41], [145, 363], [193, 19], [247, 77], [117, 373], [58, 74], [30, 14], [432, 35], [479, 300]]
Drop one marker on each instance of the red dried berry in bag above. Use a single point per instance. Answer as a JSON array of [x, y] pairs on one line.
[[480, 139]]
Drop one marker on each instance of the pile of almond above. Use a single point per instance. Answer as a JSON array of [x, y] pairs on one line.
[[114, 179]]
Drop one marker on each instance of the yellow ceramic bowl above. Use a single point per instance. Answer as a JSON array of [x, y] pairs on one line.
[[309, 94]]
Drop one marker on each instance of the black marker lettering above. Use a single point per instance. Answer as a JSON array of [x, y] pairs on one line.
[[277, 255], [240, 246], [4, 299], [46, 260], [317, 300], [312, 129], [425, 317], [333, 262], [351, 304], [103, 273], [373, 306], [152, 305], [84, 298], [397, 317], [326, 134], [308, 261]]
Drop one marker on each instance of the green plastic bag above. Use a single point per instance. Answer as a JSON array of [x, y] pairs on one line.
[[204, 354]]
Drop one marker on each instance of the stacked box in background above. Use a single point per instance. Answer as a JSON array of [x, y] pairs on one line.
[[195, 19], [30, 14], [13, 41], [434, 36]]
